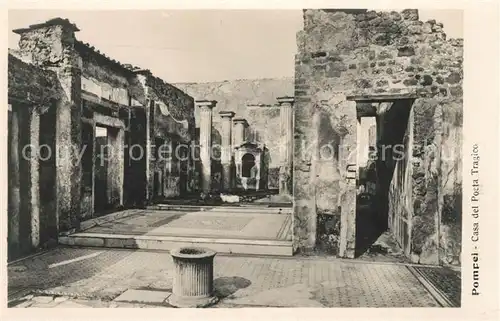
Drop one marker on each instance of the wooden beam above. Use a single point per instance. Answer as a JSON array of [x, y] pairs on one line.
[[365, 109], [88, 120], [381, 98]]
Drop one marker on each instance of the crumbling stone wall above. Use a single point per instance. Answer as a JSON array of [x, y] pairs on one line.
[[62, 85], [254, 100], [174, 122], [32, 93], [104, 81], [170, 109], [358, 52]]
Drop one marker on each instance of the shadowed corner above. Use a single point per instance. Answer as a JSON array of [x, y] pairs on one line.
[[227, 286]]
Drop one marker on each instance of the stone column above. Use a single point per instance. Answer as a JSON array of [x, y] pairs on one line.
[[57, 38], [68, 140], [34, 177], [286, 116], [205, 107], [240, 125], [227, 155], [14, 183]]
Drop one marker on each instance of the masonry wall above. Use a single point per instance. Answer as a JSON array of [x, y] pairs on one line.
[[104, 88], [170, 113], [254, 100], [174, 124], [354, 52], [31, 209], [59, 90]]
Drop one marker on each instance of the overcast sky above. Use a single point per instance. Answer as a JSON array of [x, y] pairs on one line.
[[197, 46]]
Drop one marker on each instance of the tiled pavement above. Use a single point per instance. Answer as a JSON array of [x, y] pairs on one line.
[[97, 276]]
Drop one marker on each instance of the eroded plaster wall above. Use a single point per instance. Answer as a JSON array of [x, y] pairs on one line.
[[174, 125], [59, 90], [104, 88], [31, 209], [354, 52], [170, 113]]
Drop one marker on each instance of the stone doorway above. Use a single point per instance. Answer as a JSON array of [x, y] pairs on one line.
[[101, 170], [109, 169], [384, 135]]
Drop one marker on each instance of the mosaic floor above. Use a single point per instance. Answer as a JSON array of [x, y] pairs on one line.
[[208, 223]]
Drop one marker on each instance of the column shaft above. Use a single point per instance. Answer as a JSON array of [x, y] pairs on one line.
[[35, 178], [286, 169], [226, 157], [68, 145], [206, 144], [14, 183]]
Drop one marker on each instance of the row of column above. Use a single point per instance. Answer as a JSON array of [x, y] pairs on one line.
[[240, 124]]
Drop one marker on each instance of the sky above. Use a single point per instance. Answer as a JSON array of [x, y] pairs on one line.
[[198, 45]]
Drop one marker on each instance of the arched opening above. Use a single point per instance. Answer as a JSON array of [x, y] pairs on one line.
[[247, 163]]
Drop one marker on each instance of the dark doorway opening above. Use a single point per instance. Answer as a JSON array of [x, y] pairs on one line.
[[385, 147], [101, 170], [135, 182], [247, 163]]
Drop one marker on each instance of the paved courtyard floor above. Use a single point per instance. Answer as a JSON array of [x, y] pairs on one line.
[[214, 222], [81, 277]]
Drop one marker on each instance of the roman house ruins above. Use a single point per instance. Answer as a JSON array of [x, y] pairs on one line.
[[365, 139]]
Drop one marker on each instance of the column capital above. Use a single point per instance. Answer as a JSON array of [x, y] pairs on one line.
[[226, 114], [286, 100], [240, 121], [206, 103]]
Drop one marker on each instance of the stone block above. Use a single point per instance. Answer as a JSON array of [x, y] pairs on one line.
[[410, 14], [453, 78], [456, 91], [42, 299], [426, 80], [406, 51], [143, 296], [88, 241]]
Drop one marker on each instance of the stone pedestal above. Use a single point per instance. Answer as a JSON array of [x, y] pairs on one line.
[[286, 116], [226, 156], [206, 107], [193, 279]]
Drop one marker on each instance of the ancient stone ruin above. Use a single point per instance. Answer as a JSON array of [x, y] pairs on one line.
[[366, 84]]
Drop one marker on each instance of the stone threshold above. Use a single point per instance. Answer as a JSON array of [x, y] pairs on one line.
[[223, 208], [167, 243], [85, 225]]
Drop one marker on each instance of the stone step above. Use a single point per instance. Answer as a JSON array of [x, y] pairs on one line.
[[167, 243], [227, 209]]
